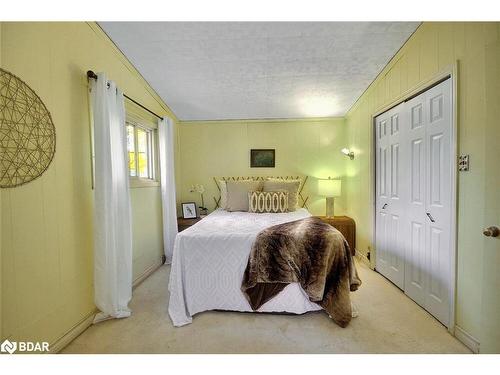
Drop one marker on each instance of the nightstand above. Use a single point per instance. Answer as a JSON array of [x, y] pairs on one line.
[[344, 225], [186, 223]]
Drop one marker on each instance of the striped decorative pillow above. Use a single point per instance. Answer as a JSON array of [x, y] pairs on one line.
[[268, 201]]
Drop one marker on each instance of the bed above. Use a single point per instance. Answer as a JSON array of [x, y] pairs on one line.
[[210, 259]]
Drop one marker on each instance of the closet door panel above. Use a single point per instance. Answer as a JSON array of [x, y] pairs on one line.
[[382, 261], [396, 246], [383, 256], [415, 259], [390, 246], [415, 263], [396, 238], [438, 199]]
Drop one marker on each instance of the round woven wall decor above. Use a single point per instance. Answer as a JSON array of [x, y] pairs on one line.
[[27, 133]]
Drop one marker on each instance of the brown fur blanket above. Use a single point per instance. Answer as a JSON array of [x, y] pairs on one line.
[[307, 251]]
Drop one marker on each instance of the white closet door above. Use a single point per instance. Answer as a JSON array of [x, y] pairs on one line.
[[390, 232], [438, 200], [382, 195], [413, 198], [415, 264], [428, 256]]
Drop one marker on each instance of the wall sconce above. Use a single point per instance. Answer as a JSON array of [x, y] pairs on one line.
[[348, 152]]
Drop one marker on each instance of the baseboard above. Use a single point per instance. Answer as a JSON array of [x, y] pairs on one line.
[[362, 258], [86, 322], [73, 333], [466, 339], [147, 273]]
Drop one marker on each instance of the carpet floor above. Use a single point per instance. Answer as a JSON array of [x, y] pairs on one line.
[[388, 322]]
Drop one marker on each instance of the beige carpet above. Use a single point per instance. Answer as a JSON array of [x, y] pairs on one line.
[[388, 322]]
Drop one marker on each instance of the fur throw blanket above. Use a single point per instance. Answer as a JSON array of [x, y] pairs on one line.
[[307, 251]]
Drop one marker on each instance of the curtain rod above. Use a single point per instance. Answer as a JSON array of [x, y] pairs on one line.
[[92, 75]]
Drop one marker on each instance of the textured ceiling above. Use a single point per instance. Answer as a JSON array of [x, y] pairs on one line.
[[259, 70]]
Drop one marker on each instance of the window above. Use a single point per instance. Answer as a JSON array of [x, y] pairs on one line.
[[141, 147]]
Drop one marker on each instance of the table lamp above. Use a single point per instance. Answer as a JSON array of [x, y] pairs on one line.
[[329, 188]]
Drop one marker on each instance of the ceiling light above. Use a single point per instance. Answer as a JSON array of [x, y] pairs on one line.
[[318, 106]]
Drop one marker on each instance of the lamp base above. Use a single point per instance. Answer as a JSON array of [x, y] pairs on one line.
[[329, 206]]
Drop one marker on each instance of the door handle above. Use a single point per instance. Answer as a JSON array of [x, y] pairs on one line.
[[384, 206], [491, 231], [430, 217]]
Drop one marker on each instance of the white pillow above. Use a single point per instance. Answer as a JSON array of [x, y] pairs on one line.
[[237, 194], [223, 194]]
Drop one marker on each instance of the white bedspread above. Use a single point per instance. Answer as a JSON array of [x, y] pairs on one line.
[[208, 264]]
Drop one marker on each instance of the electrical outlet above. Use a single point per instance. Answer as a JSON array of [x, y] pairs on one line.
[[463, 163]]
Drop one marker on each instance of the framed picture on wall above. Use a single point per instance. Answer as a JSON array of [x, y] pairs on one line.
[[262, 158], [189, 210]]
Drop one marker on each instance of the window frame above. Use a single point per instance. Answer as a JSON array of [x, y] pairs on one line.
[[152, 130]]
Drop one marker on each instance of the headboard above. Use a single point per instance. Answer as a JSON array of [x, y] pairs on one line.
[[303, 180]]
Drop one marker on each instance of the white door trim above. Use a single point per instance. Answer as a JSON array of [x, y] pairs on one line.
[[450, 71]]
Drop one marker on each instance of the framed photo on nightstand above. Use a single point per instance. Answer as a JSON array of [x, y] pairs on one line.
[[189, 210]]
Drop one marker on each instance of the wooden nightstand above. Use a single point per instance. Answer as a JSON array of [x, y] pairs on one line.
[[186, 223], [344, 225]]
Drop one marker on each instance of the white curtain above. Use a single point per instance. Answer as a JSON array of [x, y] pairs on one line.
[[112, 221], [167, 175]]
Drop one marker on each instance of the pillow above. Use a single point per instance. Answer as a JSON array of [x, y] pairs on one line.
[[268, 201], [237, 194], [223, 194], [292, 186]]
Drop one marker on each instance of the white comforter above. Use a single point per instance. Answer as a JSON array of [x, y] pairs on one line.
[[208, 264]]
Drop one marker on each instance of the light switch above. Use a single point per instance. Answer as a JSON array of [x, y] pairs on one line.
[[463, 163]]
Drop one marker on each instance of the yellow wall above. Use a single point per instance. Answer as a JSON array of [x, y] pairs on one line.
[[433, 47], [147, 233], [46, 225], [1, 293], [222, 148]]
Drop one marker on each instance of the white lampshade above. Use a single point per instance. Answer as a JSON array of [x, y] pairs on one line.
[[329, 188]]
